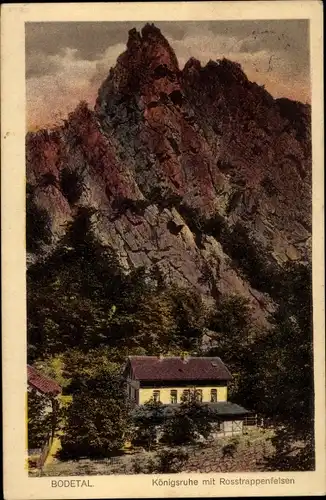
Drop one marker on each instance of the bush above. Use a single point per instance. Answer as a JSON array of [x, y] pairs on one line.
[[170, 461], [229, 449]]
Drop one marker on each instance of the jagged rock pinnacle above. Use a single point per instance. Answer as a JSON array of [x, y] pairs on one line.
[[203, 150], [149, 67], [134, 39]]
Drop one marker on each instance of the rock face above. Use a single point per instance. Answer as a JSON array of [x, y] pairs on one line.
[[172, 162]]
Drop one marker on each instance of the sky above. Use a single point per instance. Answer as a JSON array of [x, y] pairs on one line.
[[66, 62]]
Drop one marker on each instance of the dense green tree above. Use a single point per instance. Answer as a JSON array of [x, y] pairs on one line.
[[295, 295], [97, 422], [274, 368], [232, 323], [52, 367], [235, 337], [41, 419], [148, 320], [190, 420], [285, 394], [190, 316], [286, 381], [78, 364], [147, 424]]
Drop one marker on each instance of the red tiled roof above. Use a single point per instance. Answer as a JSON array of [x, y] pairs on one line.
[[176, 368], [43, 384]]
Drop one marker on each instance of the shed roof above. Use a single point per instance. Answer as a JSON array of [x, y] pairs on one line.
[[227, 408], [214, 410], [153, 368], [41, 383]]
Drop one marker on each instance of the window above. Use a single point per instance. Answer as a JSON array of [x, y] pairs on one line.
[[199, 395], [174, 396], [186, 395], [213, 395], [156, 396]]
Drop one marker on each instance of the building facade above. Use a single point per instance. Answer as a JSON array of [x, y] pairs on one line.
[[170, 380]]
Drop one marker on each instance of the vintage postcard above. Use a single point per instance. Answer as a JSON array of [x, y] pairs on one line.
[[163, 235]]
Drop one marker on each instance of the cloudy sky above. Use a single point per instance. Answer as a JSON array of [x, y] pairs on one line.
[[67, 61]]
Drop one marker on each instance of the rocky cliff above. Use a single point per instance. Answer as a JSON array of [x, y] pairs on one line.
[[199, 172]]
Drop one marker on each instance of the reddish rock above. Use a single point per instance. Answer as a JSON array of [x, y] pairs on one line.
[[165, 147]]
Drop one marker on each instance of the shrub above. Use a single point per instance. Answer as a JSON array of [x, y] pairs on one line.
[[170, 461], [229, 450]]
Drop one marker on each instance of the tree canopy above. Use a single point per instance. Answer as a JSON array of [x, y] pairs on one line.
[[97, 421]]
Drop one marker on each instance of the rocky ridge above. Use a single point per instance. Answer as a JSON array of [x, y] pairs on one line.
[[182, 169]]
